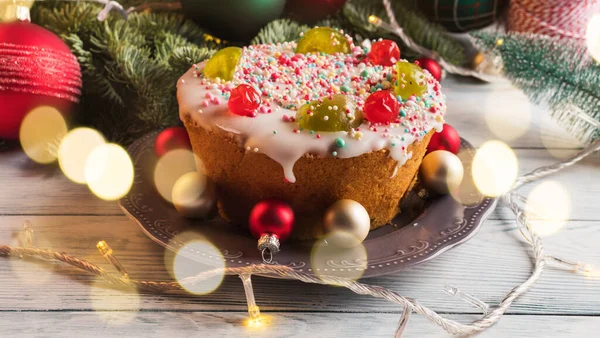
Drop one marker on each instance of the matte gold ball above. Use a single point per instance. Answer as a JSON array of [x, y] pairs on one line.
[[194, 195], [347, 222], [441, 172]]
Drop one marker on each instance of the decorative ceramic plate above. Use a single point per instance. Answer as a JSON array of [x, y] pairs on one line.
[[424, 230]]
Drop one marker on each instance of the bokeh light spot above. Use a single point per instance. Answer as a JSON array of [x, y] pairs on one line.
[[548, 207], [558, 143], [495, 168], [327, 259], [41, 133], [74, 151], [196, 255], [170, 168], [109, 171], [467, 193], [507, 119], [592, 37], [115, 307]]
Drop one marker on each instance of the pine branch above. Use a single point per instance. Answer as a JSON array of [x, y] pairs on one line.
[[278, 31], [556, 72], [129, 67]]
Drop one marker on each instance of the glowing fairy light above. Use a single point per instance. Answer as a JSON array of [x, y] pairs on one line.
[[263, 322], [116, 307], [196, 255], [327, 259], [495, 168], [41, 133], [11, 10], [592, 37], [109, 171], [74, 151], [27, 273], [548, 207], [170, 168]]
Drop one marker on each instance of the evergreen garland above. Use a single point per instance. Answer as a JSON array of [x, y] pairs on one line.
[[557, 72], [130, 66]]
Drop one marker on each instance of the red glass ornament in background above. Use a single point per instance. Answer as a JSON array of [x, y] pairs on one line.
[[432, 67], [271, 222], [170, 139], [384, 53], [37, 69], [447, 139], [381, 107], [244, 100]]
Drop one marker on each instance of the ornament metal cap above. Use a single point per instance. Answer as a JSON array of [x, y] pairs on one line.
[[268, 244]]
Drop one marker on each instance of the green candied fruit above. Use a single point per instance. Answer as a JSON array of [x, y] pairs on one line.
[[333, 113], [323, 40], [222, 64], [411, 80]]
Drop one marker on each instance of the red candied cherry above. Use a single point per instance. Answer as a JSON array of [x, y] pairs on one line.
[[381, 107], [244, 100], [384, 53]]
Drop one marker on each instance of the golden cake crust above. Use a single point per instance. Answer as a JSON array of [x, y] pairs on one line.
[[245, 178]]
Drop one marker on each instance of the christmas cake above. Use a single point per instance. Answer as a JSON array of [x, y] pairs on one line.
[[309, 123]]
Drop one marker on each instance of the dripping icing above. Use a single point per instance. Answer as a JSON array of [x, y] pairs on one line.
[[287, 146]]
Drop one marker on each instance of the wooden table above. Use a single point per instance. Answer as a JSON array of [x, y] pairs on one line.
[[41, 300]]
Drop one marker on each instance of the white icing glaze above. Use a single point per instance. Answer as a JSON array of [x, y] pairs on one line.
[[206, 103]]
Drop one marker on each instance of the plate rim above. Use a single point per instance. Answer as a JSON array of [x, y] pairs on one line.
[[476, 218]]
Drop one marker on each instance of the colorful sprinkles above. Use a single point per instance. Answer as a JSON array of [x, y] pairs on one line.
[[288, 80]]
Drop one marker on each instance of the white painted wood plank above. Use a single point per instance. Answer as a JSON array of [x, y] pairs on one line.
[[29, 189], [289, 325], [482, 112], [488, 266]]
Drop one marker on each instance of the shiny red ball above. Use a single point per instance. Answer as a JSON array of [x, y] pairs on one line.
[[432, 67], [384, 53], [381, 107], [170, 139], [37, 69], [244, 100], [447, 139], [271, 217]]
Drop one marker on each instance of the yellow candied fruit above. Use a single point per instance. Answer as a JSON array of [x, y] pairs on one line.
[[335, 113], [222, 64], [323, 40], [411, 80]]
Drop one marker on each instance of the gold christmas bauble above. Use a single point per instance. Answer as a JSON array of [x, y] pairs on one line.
[[441, 172], [347, 223], [194, 195]]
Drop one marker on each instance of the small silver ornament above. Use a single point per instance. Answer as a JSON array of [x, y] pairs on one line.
[[441, 172], [194, 195], [347, 223]]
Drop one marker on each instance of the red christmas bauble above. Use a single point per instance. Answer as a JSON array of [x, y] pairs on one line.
[[271, 217], [170, 139], [432, 67], [244, 100], [381, 107], [447, 139], [310, 11], [36, 68], [384, 53]]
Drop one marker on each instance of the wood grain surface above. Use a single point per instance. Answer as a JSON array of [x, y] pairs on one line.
[[41, 300]]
